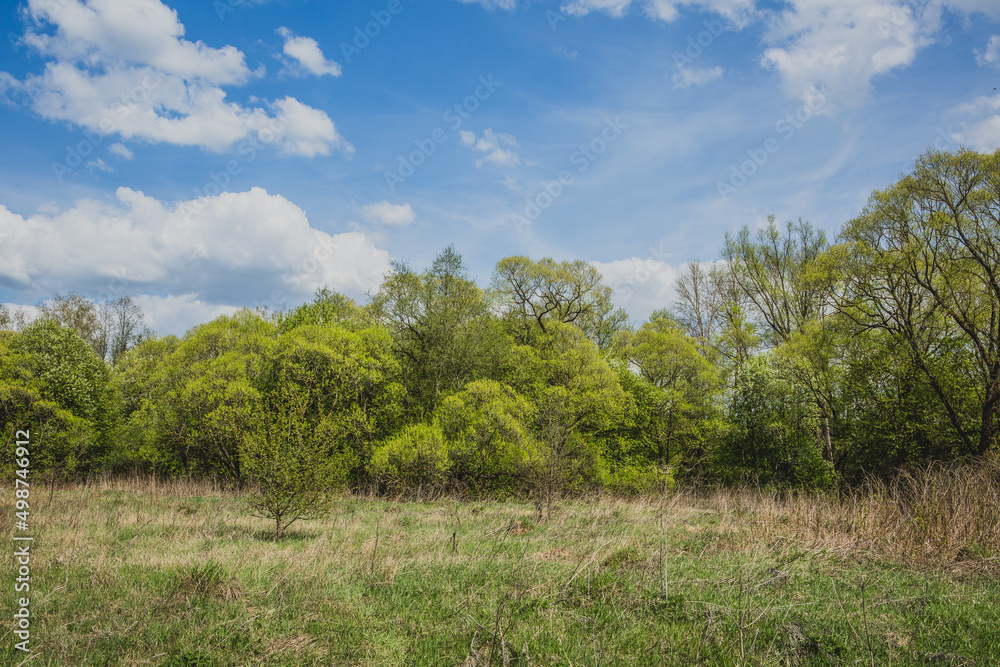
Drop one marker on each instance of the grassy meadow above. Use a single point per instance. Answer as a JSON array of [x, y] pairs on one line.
[[147, 572]]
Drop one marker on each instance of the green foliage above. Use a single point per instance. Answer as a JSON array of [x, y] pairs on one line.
[[771, 441], [790, 362], [533, 294], [52, 383], [326, 308], [487, 426], [416, 458], [636, 480], [443, 333]]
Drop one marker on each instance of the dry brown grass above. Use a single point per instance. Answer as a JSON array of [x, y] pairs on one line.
[[941, 515]]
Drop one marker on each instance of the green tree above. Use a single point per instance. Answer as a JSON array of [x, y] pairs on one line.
[[49, 376], [669, 360], [488, 429], [923, 264], [327, 308], [442, 330], [418, 457], [770, 440], [533, 294], [578, 399]]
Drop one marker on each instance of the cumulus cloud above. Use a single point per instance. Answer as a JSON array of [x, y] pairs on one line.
[[121, 151], [841, 47], [306, 52], [176, 314], [125, 68], [981, 131], [639, 285], [991, 56], [496, 148], [385, 213], [231, 249], [685, 77]]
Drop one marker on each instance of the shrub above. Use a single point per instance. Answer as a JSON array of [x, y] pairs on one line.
[[417, 457]]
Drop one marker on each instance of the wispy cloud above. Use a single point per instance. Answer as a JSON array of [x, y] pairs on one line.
[[384, 213], [496, 148]]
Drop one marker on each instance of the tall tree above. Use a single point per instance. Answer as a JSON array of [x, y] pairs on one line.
[[533, 294], [924, 265], [700, 303], [441, 328], [777, 273]]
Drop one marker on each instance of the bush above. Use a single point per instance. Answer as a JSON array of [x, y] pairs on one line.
[[416, 457], [635, 480], [486, 426]]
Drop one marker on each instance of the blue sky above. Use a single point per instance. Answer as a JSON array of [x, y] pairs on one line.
[[202, 156]]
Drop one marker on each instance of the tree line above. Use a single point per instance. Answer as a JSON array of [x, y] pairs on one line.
[[791, 360]]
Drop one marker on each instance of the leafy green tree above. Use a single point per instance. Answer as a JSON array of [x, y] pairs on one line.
[[533, 294], [578, 398], [923, 264], [51, 381], [340, 383], [770, 440], [442, 331], [686, 383], [780, 275], [418, 457], [788, 286], [488, 429], [203, 399], [327, 308]]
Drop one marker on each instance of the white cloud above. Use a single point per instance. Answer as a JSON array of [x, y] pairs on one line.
[[837, 46], [982, 131], [231, 249], [639, 285], [123, 67], [492, 145], [307, 53], [99, 165], [991, 56], [388, 214], [492, 4], [121, 151], [841, 47], [176, 314], [738, 12], [685, 77]]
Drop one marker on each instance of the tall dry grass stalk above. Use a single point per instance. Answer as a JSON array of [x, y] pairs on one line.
[[934, 516]]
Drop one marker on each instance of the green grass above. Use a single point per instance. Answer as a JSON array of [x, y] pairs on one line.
[[137, 574]]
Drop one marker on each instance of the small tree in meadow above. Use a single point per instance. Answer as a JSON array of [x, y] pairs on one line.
[[290, 471]]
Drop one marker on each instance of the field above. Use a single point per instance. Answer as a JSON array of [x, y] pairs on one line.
[[146, 572]]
